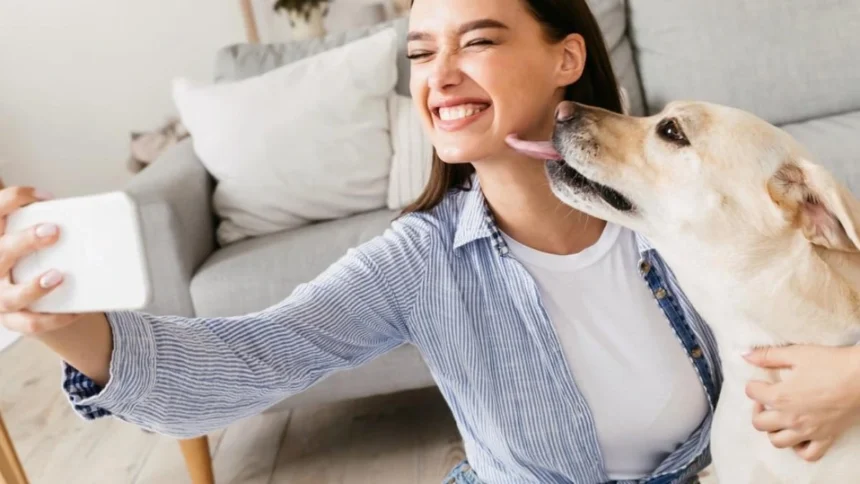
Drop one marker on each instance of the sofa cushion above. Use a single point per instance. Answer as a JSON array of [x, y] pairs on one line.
[[412, 152], [835, 144], [240, 61], [785, 61], [611, 15], [253, 274], [300, 143]]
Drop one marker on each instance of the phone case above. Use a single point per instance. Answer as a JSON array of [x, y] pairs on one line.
[[100, 253]]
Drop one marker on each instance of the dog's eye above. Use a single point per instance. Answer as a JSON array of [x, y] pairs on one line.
[[669, 130]]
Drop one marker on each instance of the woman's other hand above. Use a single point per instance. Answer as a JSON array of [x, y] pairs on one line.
[[17, 296], [815, 403]]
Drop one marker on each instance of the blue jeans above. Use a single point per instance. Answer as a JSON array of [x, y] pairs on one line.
[[462, 474]]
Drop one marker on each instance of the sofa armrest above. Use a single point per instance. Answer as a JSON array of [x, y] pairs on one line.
[[174, 198]]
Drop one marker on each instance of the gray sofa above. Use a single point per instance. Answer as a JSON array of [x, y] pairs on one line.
[[795, 66]]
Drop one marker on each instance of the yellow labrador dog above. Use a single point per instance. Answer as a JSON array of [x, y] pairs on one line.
[[763, 241]]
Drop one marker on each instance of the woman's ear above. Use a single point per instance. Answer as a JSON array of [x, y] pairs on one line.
[[573, 60]]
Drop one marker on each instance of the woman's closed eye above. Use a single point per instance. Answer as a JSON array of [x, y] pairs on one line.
[[479, 42], [418, 54]]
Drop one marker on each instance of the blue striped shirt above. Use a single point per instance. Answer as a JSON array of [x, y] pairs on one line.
[[442, 281]]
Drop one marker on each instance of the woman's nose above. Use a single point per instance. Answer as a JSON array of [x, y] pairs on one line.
[[565, 111], [445, 73]]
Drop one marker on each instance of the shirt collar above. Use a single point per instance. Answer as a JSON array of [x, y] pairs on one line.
[[477, 221], [643, 244]]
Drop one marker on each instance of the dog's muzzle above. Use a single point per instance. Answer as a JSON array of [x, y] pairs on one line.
[[572, 140]]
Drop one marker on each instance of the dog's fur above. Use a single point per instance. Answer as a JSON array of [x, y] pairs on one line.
[[763, 241]]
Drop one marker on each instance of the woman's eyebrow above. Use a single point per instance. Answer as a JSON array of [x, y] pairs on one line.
[[485, 23]]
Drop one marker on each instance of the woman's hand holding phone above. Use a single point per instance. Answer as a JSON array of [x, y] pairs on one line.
[[16, 296], [84, 340]]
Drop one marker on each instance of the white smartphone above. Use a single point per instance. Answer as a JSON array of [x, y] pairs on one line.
[[100, 253]]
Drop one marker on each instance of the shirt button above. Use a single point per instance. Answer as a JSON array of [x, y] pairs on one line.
[[696, 352], [644, 267], [660, 293]]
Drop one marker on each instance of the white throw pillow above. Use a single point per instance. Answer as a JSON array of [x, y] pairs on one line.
[[413, 153], [305, 142], [625, 100]]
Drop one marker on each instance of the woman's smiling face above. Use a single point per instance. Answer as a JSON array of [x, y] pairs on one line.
[[481, 70]]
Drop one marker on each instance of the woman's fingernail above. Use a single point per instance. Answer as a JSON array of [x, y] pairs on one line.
[[46, 230], [51, 279], [43, 195]]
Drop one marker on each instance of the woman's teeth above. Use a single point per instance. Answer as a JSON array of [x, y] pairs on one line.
[[454, 113]]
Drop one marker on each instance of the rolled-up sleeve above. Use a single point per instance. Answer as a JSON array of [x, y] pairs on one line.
[[187, 376]]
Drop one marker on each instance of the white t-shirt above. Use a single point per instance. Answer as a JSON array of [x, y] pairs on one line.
[[643, 392]]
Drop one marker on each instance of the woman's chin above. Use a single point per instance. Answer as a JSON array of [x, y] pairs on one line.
[[471, 151], [454, 154]]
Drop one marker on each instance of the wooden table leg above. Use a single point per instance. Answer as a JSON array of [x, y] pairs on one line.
[[11, 471], [198, 460]]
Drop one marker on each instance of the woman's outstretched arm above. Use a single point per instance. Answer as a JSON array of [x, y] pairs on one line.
[[186, 376]]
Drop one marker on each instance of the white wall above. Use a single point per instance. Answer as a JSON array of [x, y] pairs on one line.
[[343, 15], [76, 77]]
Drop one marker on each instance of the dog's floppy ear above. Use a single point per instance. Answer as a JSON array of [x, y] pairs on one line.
[[824, 210]]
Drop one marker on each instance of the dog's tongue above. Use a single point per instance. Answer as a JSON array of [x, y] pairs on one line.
[[537, 149]]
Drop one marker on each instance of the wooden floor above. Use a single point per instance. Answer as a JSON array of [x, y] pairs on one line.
[[398, 439]]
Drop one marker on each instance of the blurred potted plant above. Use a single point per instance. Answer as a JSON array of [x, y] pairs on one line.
[[305, 16], [401, 7]]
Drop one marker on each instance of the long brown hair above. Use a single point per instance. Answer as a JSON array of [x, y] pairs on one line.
[[596, 87]]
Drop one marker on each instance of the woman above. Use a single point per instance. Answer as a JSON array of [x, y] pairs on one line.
[[539, 324]]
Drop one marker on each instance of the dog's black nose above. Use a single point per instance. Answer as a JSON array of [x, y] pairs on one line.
[[565, 111]]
